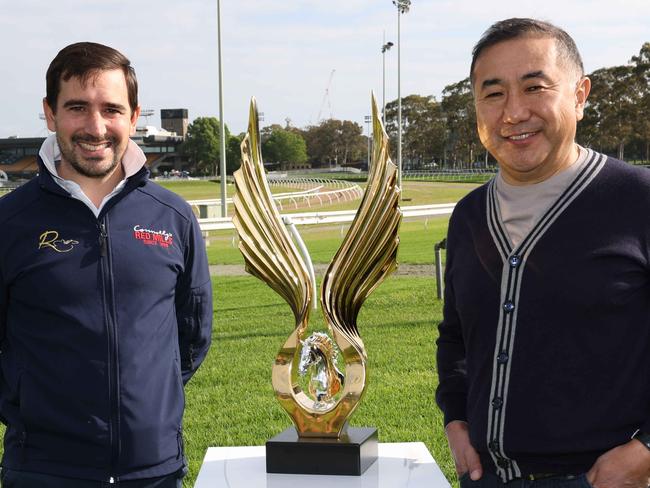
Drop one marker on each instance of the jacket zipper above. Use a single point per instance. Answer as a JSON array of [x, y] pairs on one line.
[[113, 388], [103, 237]]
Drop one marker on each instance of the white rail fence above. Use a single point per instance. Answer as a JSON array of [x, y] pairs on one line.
[[450, 175], [332, 217], [314, 191]]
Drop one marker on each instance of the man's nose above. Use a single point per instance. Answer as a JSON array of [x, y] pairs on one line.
[[95, 124], [515, 109]]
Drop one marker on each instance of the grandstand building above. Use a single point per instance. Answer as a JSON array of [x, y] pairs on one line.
[[161, 146], [175, 120]]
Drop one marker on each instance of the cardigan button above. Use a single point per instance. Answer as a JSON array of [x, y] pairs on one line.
[[515, 260], [494, 445], [497, 402], [503, 357], [508, 306]]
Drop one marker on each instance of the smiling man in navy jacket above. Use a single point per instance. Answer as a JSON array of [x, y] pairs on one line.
[[105, 295], [543, 353]]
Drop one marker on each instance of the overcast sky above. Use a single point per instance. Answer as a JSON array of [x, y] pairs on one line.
[[283, 53]]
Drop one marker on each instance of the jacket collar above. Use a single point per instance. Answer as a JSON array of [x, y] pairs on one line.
[[49, 155]]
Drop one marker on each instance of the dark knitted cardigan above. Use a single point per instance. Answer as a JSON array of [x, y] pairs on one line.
[[544, 349]]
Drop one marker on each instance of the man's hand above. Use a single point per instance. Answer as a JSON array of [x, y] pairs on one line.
[[625, 466], [465, 456]]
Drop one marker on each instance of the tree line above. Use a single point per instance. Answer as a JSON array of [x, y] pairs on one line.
[[440, 134]]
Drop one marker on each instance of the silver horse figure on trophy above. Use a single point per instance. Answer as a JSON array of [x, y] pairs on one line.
[[319, 352]]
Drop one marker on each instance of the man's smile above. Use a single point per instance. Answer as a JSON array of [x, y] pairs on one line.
[[521, 137], [93, 146]]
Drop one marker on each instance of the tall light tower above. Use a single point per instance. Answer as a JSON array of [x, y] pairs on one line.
[[385, 47], [146, 113], [367, 120], [402, 8], [224, 209]]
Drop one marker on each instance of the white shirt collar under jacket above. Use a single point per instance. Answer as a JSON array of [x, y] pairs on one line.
[[132, 162]]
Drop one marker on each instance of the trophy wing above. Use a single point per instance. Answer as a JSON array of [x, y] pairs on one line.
[[369, 251], [264, 241]]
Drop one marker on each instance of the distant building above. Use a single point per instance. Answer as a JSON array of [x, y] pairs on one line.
[[18, 156], [175, 120], [161, 148]]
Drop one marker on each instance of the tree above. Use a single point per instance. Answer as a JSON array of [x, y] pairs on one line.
[[202, 145], [285, 147], [460, 119], [335, 141], [423, 129], [612, 109], [233, 153], [615, 118], [266, 131], [642, 73]]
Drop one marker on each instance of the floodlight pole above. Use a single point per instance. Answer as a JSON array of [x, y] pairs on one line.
[[402, 8], [368, 119], [222, 125], [385, 47]]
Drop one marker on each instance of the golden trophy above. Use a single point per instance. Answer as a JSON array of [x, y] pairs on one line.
[[322, 442]]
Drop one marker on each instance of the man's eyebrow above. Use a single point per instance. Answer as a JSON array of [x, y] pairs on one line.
[[84, 103], [71, 103], [491, 82], [535, 74], [117, 106]]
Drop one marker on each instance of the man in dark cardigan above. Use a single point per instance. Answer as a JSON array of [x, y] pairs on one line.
[[543, 350]]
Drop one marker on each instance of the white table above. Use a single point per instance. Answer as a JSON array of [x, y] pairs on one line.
[[405, 464]]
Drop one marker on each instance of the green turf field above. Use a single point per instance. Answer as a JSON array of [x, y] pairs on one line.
[[204, 189], [230, 401], [417, 238], [414, 193]]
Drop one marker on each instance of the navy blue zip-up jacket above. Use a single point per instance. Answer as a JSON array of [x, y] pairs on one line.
[[103, 320]]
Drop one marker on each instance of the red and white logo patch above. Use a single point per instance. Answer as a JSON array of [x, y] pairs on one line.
[[150, 237]]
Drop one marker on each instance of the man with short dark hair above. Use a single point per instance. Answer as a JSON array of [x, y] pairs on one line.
[[105, 295], [543, 349]]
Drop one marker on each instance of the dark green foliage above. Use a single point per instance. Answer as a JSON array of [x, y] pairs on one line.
[[616, 116], [285, 147], [202, 147], [337, 142], [423, 130]]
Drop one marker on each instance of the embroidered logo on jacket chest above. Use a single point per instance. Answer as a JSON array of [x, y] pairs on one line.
[[151, 237], [50, 239]]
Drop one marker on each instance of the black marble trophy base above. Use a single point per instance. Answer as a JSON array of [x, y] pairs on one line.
[[351, 454]]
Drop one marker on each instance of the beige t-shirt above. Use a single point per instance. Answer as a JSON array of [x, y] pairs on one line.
[[522, 206]]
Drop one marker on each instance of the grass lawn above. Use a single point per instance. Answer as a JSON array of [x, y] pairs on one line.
[[414, 193], [417, 238], [204, 190], [196, 189], [230, 401]]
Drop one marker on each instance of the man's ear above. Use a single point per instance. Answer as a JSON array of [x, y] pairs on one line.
[[134, 118], [49, 116], [582, 92]]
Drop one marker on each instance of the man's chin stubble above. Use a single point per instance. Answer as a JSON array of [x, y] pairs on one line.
[[90, 174]]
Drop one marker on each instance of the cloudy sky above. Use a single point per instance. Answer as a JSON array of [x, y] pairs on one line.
[[283, 53]]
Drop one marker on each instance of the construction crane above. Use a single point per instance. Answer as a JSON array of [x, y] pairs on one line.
[[326, 98]]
